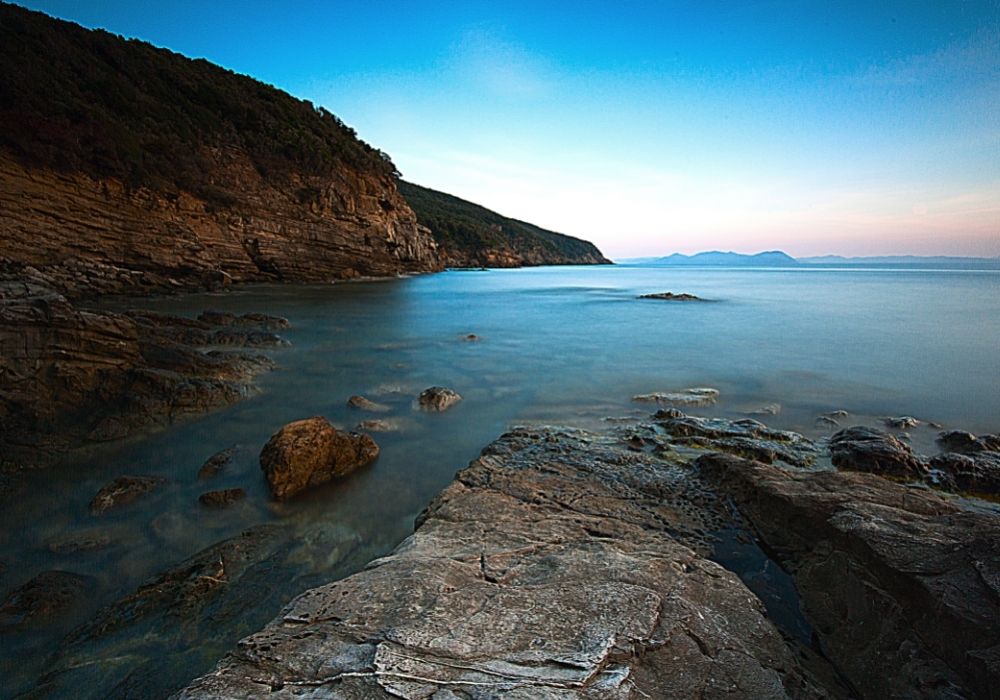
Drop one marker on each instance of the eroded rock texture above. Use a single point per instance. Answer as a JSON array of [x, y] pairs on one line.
[[70, 376], [901, 585], [555, 566]]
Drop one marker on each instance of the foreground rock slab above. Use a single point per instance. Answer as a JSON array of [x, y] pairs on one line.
[[902, 586], [310, 452], [553, 567]]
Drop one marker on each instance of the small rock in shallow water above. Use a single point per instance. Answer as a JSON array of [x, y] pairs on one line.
[[438, 398], [376, 426], [123, 490], [771, 409], [827, 421], [670, 296], [471, 338], [79, 542], [360, 403], [221, 499], [668, 413], [695, 396], [310, 452], [215, 464]]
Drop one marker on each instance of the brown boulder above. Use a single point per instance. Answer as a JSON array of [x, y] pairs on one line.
[[45, 598], [310, 452], [216, 463]]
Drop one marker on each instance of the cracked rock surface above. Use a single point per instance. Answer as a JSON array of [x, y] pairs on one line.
[[557, 565]]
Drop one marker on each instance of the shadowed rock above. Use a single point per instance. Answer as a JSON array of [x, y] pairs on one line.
[[122, 491], [964, 442], [974, 473], [438, 398], [901, 586], [310, 452], [863, 449], [45, 598], [216, 463], [221, 499]]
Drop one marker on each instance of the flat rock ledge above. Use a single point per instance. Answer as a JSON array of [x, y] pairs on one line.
[[554, 566]]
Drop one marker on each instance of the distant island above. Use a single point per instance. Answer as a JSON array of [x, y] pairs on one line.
[[778, 258], [770, 258]]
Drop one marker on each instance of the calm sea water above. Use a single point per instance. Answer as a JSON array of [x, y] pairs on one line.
[[564, 345]]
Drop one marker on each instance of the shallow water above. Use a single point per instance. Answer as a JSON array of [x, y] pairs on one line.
[[565, 345]]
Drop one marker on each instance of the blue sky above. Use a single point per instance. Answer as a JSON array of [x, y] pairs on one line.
[[843, 127]]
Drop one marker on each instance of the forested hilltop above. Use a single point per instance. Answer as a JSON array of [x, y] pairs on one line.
[[471, 235], [80, 100]]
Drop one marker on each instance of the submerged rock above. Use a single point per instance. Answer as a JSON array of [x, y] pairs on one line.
[[86, 541], [902, 587], [216, 463], [360, 403], [376, 426], [45, 598], [670, 296], [221, 499], [901, 422], [310, 452], [695, 396], [863, 449], [550, 569], [122, 491], [438, 398]]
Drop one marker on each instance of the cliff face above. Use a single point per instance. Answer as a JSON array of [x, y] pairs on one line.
[[308, 229], [472, 236], [118, 153]]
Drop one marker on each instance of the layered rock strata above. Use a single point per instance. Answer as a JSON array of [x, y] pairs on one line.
[[97, 236]]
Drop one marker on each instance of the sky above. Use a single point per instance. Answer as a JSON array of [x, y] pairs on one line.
[[852, 128]]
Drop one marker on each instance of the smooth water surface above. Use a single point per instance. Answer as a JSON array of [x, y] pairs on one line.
[[562, 345]]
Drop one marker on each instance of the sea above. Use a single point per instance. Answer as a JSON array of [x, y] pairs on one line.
[[554, 345]]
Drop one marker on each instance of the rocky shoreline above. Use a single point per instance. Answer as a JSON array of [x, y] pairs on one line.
[[72, 376], [563, 563]]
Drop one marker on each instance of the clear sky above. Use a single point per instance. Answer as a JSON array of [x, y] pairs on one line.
[[858, 128]]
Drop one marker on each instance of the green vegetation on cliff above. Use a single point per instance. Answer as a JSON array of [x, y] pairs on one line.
[[79, 100], [473, 235]]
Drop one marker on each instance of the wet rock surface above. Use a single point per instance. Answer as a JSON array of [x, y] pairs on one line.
[[695, 396], [122, 491], [901, 585], [310, 452], [438, 398], [215, 464], [360, 403], [869, 450], [71, 377], [222, 498], [555, 566]]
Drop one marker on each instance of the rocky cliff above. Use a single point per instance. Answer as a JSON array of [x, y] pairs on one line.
[[469, 235], [182, 174]]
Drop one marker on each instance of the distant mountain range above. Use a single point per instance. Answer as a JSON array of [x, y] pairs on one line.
[[777, 258], [771, 258]]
